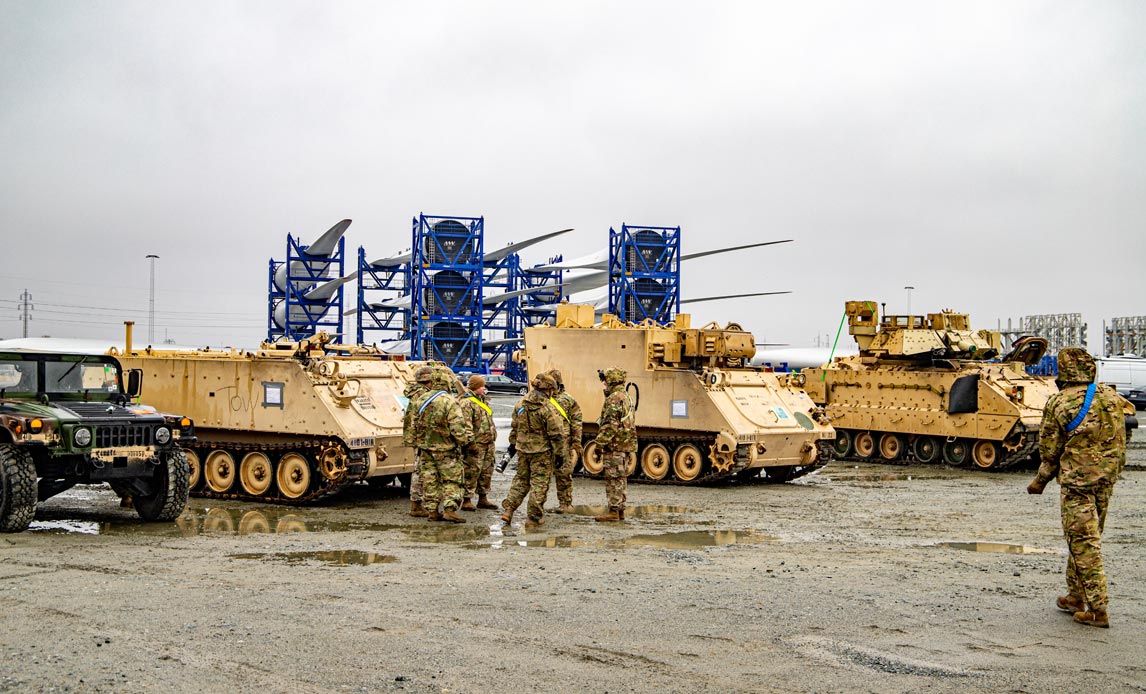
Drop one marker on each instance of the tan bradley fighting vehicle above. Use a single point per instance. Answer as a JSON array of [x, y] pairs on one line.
[[287, 423], [922, 388], [702, 413]]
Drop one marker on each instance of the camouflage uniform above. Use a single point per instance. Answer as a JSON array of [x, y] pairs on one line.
[[616, 436], [415, 395], [572, 421], [537, 434], [445, 434], [479, 454], [1087, 463]]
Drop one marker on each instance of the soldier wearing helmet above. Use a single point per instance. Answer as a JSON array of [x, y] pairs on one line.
[[1082, 443], [415, 394], [570, 413], [479, 454], [537, 435], [616, 437], [444, 434]]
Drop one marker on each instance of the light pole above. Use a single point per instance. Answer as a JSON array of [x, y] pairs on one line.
[[151, 308], [909, 288]]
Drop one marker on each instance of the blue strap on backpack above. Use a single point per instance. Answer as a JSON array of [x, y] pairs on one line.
[[1085, 408], [428, 401]]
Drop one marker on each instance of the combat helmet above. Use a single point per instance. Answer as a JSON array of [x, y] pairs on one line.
[[442, 379], [555, 374], [1075, 365], [424, 374], [545, 383], [613, 376]]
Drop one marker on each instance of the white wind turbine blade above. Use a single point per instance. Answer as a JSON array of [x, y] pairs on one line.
[[497, 254]]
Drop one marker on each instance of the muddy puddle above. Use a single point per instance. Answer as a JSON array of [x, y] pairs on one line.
[[994, 547], [211, 521], [342, 557], [685, 540], [644, 512]]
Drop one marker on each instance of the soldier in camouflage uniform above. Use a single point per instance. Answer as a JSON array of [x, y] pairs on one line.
[[445, 434], [415, 394], [571, 414], [537, 436], [1082, 442], [616, 436], [479, 454]]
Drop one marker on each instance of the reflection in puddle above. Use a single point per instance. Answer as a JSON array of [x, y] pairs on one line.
[[1000, 547], [65, 526], [342, 557], [632, 512], [438, 532], [692, 539]]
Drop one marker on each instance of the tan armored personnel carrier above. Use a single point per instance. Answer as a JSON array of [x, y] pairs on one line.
[[928, 388], [702, 413], [287, 423]]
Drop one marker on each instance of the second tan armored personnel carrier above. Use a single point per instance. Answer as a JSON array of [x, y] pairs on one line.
[[287, 423], [702, 413], [928, 388]]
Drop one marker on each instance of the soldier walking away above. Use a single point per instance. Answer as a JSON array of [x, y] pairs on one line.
[[415, 394], [479, 454], [1082, 442], [616, 436], [445, 435], [570, 412], [537, 436]]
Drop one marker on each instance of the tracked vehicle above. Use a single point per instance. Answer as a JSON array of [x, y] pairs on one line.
[[702, 413], [929, 389], [287, 423], [66, 419]]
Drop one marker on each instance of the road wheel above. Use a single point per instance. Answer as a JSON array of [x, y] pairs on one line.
[[196, 467], [925, 448], [169, 489], [655, 461], [864, 445], [842, 446], [687, 462], [890, 447], [955, 453], [17, 489], [985, 454], [219, 471], [293, 475], [255, 473], [591, 461]]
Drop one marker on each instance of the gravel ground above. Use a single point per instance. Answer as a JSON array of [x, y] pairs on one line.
[[874, 578]]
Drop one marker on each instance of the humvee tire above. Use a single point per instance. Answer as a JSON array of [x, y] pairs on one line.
[[170, 488], [17, 489]]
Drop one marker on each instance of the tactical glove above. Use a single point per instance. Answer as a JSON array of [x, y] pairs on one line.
[[512, 451], [558, 462], [1035, 487]]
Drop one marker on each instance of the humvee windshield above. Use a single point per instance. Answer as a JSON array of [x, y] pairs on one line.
[[17, 376], [80, 374]]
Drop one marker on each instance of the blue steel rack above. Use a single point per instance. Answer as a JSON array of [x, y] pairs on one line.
[[301, 317], [377, 285], [644, 273], [446, 291]]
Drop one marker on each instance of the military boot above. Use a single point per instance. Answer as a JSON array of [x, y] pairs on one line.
[[434, 516], [564, 508], [532, 523], [612, 515], [484, 502], [1071, 603], [468, 505], [1093, 618], [507, 517], [449, 515], [417, 511]]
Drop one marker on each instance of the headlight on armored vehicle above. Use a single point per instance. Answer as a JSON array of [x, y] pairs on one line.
[[162, 436], [82, 437], [36, 426]]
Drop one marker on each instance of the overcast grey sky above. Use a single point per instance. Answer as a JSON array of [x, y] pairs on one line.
[[990, 154]]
